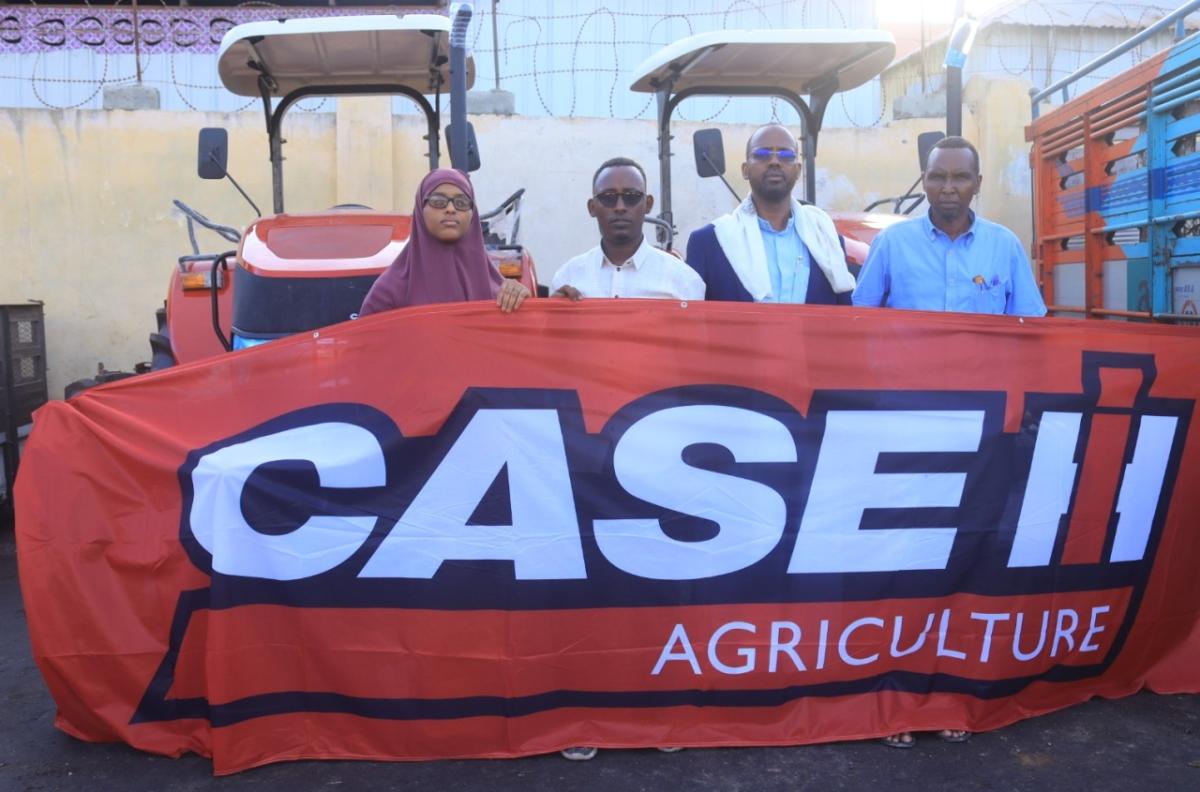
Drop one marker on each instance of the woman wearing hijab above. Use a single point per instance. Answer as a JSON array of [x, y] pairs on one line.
[[444, 260]]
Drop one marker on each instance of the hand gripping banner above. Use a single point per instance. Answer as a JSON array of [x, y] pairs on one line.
[[450, 532]]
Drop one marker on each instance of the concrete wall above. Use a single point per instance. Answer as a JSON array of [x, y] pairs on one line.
[[90, 228]]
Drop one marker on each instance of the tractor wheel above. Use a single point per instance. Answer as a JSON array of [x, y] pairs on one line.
[[77, 387], [161, 355], [80, 385]]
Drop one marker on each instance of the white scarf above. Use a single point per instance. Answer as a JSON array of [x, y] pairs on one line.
[[740, 238]]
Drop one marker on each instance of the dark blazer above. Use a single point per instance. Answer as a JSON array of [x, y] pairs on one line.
[[704, 255]]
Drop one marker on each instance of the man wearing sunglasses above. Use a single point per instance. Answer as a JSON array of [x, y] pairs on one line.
[[624, 264], [950, 259], [772, 248]]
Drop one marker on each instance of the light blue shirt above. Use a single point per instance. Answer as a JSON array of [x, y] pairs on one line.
[[914, 265], [788, 262]]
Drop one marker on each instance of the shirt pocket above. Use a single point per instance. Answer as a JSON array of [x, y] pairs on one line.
[[989, 298]]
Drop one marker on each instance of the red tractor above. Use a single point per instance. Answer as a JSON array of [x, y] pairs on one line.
[[785, 64], [292, 273]]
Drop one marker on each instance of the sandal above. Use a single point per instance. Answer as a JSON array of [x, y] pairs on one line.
[[579, 753], [954, 735], [899, 740]]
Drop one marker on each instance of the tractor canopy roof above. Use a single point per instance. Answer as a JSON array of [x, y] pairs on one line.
[[787, 64], [339, 52], [798, 61]]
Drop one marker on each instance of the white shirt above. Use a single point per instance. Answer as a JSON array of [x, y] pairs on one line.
[[649, 273]]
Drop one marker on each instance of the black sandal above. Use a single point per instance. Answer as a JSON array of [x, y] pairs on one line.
[[898, 741], [954, 735]]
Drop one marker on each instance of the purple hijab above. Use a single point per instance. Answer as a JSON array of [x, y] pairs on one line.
[[429, 270]]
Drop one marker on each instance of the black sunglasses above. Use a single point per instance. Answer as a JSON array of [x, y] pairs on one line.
[[609, 199]]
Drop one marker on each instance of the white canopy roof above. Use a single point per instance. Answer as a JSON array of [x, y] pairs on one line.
[[790, 59], [339, 51]]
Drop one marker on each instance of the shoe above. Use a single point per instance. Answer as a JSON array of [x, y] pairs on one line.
[[673, 749], [899, 740], [579, 753], [954, 735]]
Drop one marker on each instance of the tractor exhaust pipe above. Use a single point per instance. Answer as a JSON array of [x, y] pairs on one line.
[[458, 88]]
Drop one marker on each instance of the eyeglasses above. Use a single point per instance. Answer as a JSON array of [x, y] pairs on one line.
[[461, 202], [609, 199], [786, 156]]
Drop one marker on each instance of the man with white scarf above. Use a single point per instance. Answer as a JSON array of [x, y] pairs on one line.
[[772, 248]]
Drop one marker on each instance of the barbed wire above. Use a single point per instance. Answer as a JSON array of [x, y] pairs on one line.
[[99, 87], [573, 58], [575, 54]]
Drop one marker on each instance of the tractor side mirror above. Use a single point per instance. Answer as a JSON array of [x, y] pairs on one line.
[[473, 163], [925, 143], [212, 153], [709, 149]]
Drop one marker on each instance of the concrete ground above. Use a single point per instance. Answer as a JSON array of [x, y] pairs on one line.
[[1147, 740]]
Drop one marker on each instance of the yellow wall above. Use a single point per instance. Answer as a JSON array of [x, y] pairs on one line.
[[1001, 111], [89, 225], [90, 229]]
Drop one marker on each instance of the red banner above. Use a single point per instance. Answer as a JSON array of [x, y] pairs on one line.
[[449, 532]]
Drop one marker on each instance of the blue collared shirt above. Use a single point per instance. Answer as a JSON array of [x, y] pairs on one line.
[[914, 265], [788, 262]]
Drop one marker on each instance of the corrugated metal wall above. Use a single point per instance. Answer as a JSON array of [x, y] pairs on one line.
[[558, 59], [575, 59], [1039, 55]]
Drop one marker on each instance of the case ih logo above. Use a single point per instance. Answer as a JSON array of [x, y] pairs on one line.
[[887, 539]]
